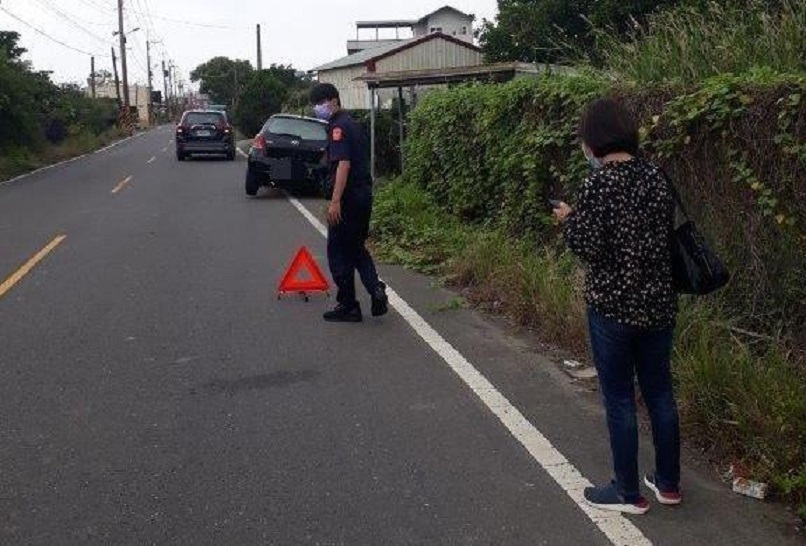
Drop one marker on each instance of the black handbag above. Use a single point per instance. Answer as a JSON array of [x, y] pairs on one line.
[[696, 269]]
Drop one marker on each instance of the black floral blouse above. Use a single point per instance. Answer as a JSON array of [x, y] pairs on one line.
[[620, 228]]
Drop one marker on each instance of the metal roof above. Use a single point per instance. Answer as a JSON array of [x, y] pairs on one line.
[[362, 57], [387, 24]]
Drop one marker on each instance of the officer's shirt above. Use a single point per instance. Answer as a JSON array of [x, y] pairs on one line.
[[346, 141]]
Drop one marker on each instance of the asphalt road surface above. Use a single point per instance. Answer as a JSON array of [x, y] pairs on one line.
[[153, 390]]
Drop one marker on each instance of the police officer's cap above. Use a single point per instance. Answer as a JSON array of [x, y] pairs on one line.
[[323, 91]]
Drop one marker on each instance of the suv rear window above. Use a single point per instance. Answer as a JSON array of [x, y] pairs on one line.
[[201, 118], [304, 129]]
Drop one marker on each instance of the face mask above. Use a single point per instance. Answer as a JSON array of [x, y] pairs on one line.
[[323, 111], [595, 163]]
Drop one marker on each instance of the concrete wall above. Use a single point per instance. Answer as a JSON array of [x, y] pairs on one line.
[[138, 96]]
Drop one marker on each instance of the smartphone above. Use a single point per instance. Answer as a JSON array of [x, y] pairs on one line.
[[555, 203]]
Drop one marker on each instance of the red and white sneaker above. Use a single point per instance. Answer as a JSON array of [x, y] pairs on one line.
[[669, 498]]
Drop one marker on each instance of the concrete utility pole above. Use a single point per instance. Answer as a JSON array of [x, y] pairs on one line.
[[259, 51], [149, 101], [165, 99], [92, 75], [117, 80], [123, 56]]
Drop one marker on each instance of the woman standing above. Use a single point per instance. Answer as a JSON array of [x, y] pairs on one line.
[[620, 229]]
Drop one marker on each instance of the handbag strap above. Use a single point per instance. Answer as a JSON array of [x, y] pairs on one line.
[[675, 195]]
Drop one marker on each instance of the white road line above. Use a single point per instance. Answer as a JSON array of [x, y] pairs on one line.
[[616, 527], [247, 155], [151, 160], [165, 149]]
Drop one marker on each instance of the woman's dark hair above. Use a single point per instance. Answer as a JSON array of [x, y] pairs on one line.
[[607, 127], [324, 91]]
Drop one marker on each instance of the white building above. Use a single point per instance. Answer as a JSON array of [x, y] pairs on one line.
[[447, 20], [138, 96], [432, 51]]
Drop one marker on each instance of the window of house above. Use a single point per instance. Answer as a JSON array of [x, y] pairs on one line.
[[464, 30], [436, 29]]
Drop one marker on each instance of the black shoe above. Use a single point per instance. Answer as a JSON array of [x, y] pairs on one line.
[[380, 302], [344, 314]]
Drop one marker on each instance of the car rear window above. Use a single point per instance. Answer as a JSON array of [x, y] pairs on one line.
[[200, 118], [304, 129]]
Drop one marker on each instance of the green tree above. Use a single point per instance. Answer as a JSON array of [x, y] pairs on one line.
[[223, 79], [8, 45], [263, 96], [559, 30]]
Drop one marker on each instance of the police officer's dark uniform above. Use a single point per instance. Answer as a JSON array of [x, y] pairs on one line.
[[346, 248]]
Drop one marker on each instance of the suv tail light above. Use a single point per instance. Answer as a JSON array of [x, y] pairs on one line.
[[227, 130], [180, 129], [259, 143]]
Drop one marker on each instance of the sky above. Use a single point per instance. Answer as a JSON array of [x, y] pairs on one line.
[[303, 33]]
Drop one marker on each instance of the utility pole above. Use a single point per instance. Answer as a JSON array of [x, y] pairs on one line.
[[165, 99], [92, 75], [117, 80], [259, 51], [123, 56], [150, 101]]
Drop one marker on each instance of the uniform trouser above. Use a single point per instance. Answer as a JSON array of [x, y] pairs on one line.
[[346, 247]]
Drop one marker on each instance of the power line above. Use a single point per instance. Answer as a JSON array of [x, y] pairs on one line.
[[73, 22], [192, 23], [51, 38]]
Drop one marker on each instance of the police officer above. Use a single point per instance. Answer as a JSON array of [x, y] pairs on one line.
[[350, 209]]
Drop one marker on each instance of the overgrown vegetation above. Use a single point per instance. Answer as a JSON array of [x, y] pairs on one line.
[[688, 44], [43, 122], [482, 160]]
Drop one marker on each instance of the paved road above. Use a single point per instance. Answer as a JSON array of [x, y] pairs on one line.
[[154, 391]]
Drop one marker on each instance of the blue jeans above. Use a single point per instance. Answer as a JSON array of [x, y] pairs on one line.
[[621, 352]]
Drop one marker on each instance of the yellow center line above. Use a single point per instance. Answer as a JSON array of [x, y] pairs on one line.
[[29, 265], [122, 185], [151, 160]]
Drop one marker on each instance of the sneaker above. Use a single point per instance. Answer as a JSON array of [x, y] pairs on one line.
[[343, 313], [669, 498], [607, 497], [380, 301]]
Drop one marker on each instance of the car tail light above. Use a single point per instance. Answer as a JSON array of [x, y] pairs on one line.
[[259, 143], [180, 129], [227, 130]]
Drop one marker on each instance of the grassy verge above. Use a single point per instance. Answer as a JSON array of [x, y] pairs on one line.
[[742, 398], [17, 161]]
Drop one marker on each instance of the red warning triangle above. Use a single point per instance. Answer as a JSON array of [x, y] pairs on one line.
[[303, 275]]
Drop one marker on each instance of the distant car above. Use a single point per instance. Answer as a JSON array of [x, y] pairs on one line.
[[288, 153], [204, 132]]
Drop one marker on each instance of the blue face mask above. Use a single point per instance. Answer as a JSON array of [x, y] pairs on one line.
[[595, 163], [323, 111]]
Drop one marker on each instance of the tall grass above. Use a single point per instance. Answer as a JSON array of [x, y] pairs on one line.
[[18, 160], [688, 44]]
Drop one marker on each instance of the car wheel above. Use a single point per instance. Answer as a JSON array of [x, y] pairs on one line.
[[231, 156], [252, 183]]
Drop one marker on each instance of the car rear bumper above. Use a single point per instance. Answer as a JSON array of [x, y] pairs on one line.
[[287, 173], [210, 147]]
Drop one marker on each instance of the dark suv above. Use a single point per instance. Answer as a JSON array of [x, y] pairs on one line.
[[204, 132], [288, 153]]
